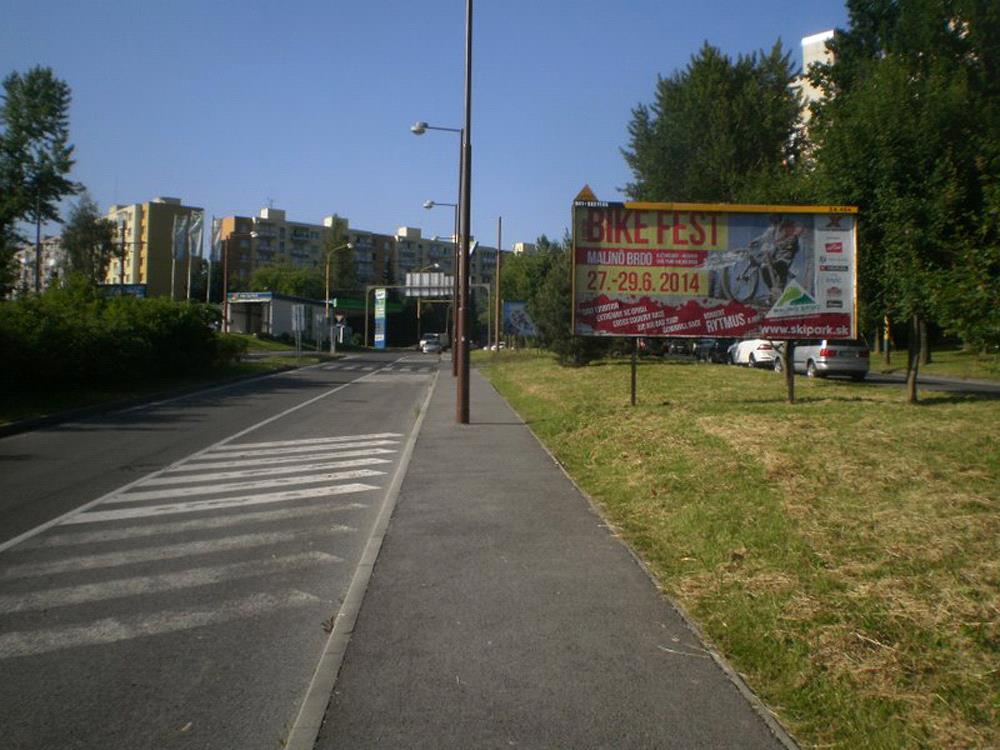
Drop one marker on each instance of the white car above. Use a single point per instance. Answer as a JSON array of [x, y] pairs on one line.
[[753, 353]]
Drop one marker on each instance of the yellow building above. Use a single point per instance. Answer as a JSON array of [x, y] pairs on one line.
[[148, 235]]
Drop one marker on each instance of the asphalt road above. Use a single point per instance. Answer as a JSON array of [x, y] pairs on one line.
[[166, 572]]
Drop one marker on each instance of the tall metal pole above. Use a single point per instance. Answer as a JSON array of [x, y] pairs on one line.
[[121, 275], [225, 283], [38, 243], [462, 410], [496, 284], [455, 262]]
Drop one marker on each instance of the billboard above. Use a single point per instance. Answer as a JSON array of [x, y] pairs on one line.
[[517, 321], [678, 269]]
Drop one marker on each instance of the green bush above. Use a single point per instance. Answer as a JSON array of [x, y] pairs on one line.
[[73, 336]]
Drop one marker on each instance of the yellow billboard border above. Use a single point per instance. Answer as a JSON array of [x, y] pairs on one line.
[[731, 208]]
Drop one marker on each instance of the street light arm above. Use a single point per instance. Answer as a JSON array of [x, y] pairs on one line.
[[419, 128]]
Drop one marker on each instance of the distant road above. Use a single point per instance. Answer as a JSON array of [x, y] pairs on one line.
[[167, 572]]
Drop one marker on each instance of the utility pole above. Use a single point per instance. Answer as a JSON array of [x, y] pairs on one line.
[[496, 283], [38, 242], [121, 276]]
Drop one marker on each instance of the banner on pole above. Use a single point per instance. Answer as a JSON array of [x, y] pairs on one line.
[[195, 231], [216, 251], [180, 236]]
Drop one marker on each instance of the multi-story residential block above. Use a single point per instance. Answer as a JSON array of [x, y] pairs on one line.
[[523, 247], [148, 240], [270, 238], [813, 51], [54, 264]]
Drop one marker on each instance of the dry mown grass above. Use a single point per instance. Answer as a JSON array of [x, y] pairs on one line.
[[842, 551]]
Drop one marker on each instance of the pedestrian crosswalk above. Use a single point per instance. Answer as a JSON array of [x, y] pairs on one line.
[[237, 517], [421, 368]]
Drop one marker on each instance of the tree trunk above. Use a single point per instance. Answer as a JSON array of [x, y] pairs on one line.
[[790, 370], [878, 339], [913, 362], [925, 344], [887, 342]]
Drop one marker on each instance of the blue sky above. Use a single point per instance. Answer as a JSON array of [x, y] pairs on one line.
[[306, 104]]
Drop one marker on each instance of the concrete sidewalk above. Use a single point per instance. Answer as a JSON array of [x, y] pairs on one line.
[[502, 613]]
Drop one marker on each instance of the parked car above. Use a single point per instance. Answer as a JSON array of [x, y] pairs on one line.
[[431, 346], [752, 352], [828, 357], [679, 346], [712, 350]]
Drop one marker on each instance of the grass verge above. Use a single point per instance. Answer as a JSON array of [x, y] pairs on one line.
[[952, 363], [33, 405], [841, 552]]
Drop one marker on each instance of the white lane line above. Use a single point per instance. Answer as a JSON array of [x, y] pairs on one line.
[[130, 557], [307, 441], [66, 517], [288, 451], [367, 368], [74, 537], [112, 629], [142, 585], [247, 473], [195, 506], [325, 456], [260, 484]]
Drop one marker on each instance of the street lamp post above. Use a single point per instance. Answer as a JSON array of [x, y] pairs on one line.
[[420, 128], [462, 396], [454, 287], [329, 320]]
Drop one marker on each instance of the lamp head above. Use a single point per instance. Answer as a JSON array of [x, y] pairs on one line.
[[428, 204], [418, 128]]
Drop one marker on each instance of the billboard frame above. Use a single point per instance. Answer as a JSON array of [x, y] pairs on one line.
[[711, 208]]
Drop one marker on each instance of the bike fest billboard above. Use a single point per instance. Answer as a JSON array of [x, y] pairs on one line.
[[677, 269]]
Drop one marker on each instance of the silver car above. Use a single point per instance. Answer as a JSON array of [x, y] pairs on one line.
[[828, 357]]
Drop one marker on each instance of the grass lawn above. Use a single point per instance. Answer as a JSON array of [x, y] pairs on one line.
[[953, 363], [31, 405], [842, 552]]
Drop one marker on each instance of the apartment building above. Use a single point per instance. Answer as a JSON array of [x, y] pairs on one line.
[[54, 264], [813, 51], [149, 236]]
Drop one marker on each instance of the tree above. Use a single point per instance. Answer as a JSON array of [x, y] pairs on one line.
[[343, 272], [908, 131], [89, 241], [295, 281], [35, 154], [715, 128]]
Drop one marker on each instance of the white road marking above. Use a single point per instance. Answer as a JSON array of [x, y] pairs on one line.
[[195, 506], [73, 537], [112, 630], [66, 517], [307, 441], [326, 455], [142, 585], [130, 557], [260, 484], [247, 473], [289, 451]]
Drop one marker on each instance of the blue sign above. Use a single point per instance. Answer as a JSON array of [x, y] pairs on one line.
[[517, 321], [380, 318]]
